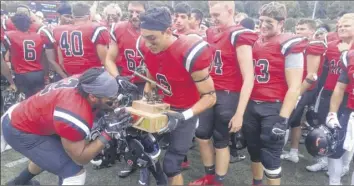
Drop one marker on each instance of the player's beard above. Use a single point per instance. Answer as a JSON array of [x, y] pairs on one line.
[[135, 21]]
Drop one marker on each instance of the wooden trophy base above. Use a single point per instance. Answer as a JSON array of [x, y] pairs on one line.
[[148, 117]]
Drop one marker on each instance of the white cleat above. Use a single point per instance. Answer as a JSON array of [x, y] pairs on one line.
[[345, 171], [290, 157], [319, 166]]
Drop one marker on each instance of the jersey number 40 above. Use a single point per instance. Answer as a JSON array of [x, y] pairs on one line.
[[72, 43]]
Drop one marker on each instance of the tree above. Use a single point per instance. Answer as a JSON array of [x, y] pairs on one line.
[[293, 8]]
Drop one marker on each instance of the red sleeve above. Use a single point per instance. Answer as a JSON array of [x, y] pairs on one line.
[[243, 37], [316, 48], [2, 35], [140, 47], [293, 45], [47, 36], [73, 122], [101, 36], [198, 57]]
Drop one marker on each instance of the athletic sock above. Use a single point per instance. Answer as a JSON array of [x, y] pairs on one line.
[[257, 182], [24, 177], [219, 179], [294, 151], [210, 170]]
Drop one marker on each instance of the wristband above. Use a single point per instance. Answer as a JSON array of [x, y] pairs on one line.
[[188, 114]]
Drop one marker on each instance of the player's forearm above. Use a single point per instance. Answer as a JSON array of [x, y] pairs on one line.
[[109, 62], [51, 59], [245, 94], [290, 100], [6, 72], [89, 152], [336, 98], [205, 102]]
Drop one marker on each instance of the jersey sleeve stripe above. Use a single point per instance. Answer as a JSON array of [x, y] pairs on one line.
[[193, 54], [3, 24], [112, 32], [285, 47], [345, 58], [234, 35], [7, 40], [47, 33], [137, 46], [96, 33], [72, 119], [195, 35], [318, 42]]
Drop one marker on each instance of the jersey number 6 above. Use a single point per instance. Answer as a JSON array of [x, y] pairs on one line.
[[29, 50], [262, 70], [74, 46], [163, 81]]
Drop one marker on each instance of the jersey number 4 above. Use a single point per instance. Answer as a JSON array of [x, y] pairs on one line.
[[218, 64], [261, 70], [130, 56], [29, 50], [73, 46]]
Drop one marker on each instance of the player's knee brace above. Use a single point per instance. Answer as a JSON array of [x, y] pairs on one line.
[[273, 174], [172, 164], [75, 180], [203, 133], [220, 141]]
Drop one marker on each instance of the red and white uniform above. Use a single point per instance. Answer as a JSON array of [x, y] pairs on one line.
[[57, 109], [316, 48], [225, 70], [172, 68], [128, 59], [331, 36], [78, 45], [269, 58], [26, 49], [348, 68], [334, 67]]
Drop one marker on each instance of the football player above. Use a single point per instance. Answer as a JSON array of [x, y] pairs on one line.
[[196, 20], [313, 63], [122, 52], [338, 163], [111, 14], [279, 61], [233, 75], [182, 16], [239, 17], [65, 15], [181, 65], [50, 128], [25, 49], [83, 44]]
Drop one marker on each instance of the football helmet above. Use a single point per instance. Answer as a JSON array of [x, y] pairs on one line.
[[11, 97], [312, 117], [322, 141]]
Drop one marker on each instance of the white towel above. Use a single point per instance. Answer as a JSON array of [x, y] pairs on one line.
[[349, 138]]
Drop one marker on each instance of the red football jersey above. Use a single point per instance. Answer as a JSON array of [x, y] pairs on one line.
[[331, 36], [225, 69], [269, 59], [128, 59], [172, 68], [348, 66], [57, 109], [78, 45], [26, 49], [316, 48]]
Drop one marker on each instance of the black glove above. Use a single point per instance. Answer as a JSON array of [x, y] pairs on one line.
[[125, 85], [279, 129], [174, 119]]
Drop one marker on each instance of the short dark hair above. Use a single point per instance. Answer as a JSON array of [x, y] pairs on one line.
[[144, 3], [183, 8], [21, 21], [248, 23], [198, 14], [80, 9], [170, 9], [310, 22], [64, 8], [325, 26]]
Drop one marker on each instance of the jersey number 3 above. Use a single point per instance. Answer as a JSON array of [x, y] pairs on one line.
[[64, 83], [262, 70], [74, 46], [29, 50]]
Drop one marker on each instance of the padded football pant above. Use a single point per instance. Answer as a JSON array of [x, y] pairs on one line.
[[45, 151], [180, 142], [30, 83], [214, 122], [258, 120], [324, 102], [296, 115]]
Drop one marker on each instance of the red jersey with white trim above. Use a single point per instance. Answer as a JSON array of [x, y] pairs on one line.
[[57, 109], [269, 58], [172, 68], [316, 48], [225, 69], [78, 45], [128, 59], [332, 36], [26, 49], [348, 68]]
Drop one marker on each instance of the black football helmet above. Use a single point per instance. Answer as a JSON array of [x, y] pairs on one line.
[[238, 140], [10, 98], [322, 141], [312, 117]]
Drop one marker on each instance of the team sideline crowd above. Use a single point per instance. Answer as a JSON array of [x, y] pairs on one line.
[[232, 82]]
